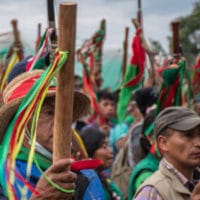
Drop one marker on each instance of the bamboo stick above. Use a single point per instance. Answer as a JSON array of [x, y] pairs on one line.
[[65, 83]]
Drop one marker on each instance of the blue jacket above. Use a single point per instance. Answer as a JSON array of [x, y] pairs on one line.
[[94, 189]]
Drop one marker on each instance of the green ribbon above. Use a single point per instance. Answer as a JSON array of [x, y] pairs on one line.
[[149, 129]]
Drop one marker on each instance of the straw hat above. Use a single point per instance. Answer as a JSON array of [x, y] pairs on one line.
[[15, 91]]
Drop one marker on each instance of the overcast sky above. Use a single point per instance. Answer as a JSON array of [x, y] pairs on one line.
[[157, 15]]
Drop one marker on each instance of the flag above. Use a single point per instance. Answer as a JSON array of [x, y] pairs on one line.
[[89, 55], [133, 76], [171, 89]]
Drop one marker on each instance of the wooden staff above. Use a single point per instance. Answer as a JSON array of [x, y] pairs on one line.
[[15, 30], [51, 19], [177, 56], [65, 83], [17, 43], [139, 13], [39, 30], [38, 37], [125, 48], [16, 46], [175, 37]]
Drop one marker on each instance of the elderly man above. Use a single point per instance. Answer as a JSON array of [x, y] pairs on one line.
[[50, 181], [177, 132]]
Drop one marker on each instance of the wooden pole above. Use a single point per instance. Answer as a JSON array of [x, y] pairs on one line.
[[139, 13], [177, 55], [125, 47], [39, 30], [51, 19], [17, 42], [15, 30], [175, 31], [38, 37], [65, 83]]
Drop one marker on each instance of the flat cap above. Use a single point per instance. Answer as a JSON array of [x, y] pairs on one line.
[[176, 117]]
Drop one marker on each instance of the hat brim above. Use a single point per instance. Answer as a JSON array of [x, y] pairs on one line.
[[80, 108], [186, 124]]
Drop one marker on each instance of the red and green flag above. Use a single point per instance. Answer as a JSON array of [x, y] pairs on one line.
[[133, 76], [89, 55], [171, 89]]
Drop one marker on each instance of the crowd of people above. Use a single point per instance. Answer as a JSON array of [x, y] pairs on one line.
[[152, 154]]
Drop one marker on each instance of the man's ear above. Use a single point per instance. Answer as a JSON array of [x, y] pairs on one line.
[[162, 142]]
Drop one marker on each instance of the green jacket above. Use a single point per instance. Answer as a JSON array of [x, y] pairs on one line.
[[115, 189], [145, 168]]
